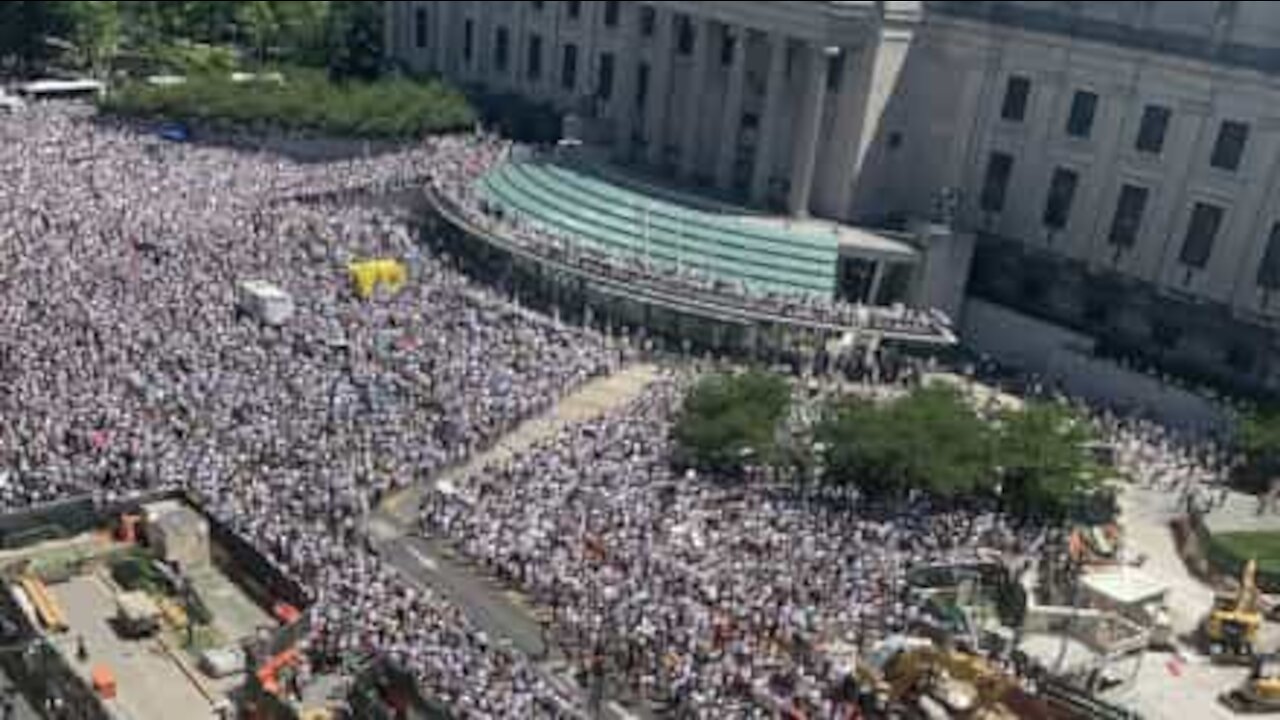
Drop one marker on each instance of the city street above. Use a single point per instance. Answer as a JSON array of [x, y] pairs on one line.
[[498, 610]]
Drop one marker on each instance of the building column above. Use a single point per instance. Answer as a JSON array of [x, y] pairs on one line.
[[731, 116], [389, 24], [515, 46], [774, 96], [482, 43], [809, 128], [877, 279], [839, 160], [659, 85], [693, 103], [443, 45], [626, 65]]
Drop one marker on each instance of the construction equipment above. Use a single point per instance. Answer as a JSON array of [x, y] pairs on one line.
[[1230, 630], [45, 604], [1261, 692], [919, 676]]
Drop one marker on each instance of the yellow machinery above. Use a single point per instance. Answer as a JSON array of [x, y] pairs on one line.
[[45, 604], [1230, 631], [965, 685], [1261, 692], [367, 275]]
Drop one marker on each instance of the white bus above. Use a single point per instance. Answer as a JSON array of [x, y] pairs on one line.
[[50, 89]]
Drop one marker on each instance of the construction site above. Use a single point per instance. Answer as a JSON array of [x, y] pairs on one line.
[[1097, 629], [138, 609]]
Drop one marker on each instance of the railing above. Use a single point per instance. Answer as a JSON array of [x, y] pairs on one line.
[[641, 287]]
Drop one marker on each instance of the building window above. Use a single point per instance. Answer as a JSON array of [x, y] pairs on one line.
[[895, 140], [642, 84], [1201, 231], [604, 77], [835, 72], [1084, 105], [1155, 121], [1016, 92], [1032, 290], [1229, 147], [420, 28], [1269, 271], [611, 10], [533, 63], [1165, 334], [727, 43], [574, 9], [569, 67], [468, 28], [537, 5], [1096, 311], [501, 41], [1127, 221], [1241, 358], [684, 36], [1062, 190], [648, 19], [999, 168]]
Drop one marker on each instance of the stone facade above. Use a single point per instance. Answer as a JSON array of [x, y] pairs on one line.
[[1117, 161]]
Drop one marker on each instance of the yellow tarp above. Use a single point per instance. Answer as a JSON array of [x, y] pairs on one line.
[[366, 275]]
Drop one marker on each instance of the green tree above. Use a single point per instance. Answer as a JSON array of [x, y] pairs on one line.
[[95, 30], [1258, 438], [259, 27], [25, 28], [949, 445], [862, 450], [930, 440], [1044, 459], [727, 420], [149, 24], [355, 39], [303, 28]]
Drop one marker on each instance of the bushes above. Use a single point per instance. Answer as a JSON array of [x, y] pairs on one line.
[[307, 101], [728, 419], [186, 58]]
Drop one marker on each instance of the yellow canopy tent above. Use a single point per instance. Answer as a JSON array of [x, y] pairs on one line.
[[366, 275]]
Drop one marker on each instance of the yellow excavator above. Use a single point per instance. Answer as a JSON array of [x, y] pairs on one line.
[[958, 684], [1261, 692], [1230, 630]]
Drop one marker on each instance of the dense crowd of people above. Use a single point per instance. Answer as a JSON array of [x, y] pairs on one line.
[[708, 599], [124, 366], [460, 187]]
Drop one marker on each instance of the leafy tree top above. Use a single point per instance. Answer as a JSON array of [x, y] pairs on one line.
[[727, 419]]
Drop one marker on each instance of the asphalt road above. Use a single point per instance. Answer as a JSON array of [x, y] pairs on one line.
[[501, 612]]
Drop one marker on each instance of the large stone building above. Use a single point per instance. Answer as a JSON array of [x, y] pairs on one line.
[[1119, 162]]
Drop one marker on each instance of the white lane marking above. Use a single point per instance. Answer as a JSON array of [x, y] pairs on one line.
[[621, 711], [422, 558]]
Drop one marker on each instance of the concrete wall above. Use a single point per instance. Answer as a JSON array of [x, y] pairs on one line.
[[1015, 338], [1067, 357]]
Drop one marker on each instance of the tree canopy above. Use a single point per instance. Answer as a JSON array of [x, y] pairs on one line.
[[1036, 459], [1043, 459], [307, 100], [929, 440], [727, 420], [1258, 437], [344, 35], [25, 30]]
